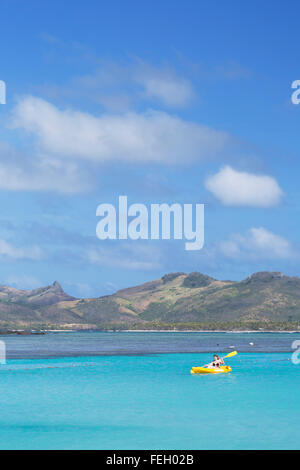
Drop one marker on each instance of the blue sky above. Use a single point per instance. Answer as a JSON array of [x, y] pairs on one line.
[[170, 101]]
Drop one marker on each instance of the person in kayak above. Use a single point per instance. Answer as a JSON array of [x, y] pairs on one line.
[[217, 362]]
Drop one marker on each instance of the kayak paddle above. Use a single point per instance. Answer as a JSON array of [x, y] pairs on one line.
[[233, 353]]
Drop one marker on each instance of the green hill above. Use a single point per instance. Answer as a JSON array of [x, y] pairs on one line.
[[177, 300]]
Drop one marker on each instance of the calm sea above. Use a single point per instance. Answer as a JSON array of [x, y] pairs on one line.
[[93, 390]]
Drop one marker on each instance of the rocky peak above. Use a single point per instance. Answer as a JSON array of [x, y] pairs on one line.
[[171, 276], [194, 280], [56, 287], [264, 276]]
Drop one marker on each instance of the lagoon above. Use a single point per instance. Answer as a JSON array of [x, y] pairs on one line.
[[94, 390]]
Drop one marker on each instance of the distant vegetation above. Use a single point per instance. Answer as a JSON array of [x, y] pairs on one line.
[[220, 326]]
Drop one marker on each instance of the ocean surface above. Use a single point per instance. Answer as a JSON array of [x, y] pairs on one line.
[[95, 390]]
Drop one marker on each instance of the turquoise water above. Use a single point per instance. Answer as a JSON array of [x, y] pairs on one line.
[[148, 401]]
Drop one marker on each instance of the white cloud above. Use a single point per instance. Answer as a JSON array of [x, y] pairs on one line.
[[239, 188], [140, 138], [23, 282], [9, 251], [126, 256], [257, 243], [37, 172], [120, 86], [80, 289], [165, 86]]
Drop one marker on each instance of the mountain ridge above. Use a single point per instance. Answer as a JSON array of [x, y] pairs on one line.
[[175, 300]]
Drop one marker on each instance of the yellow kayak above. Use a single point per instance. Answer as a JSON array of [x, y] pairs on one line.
[[206, 370]]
